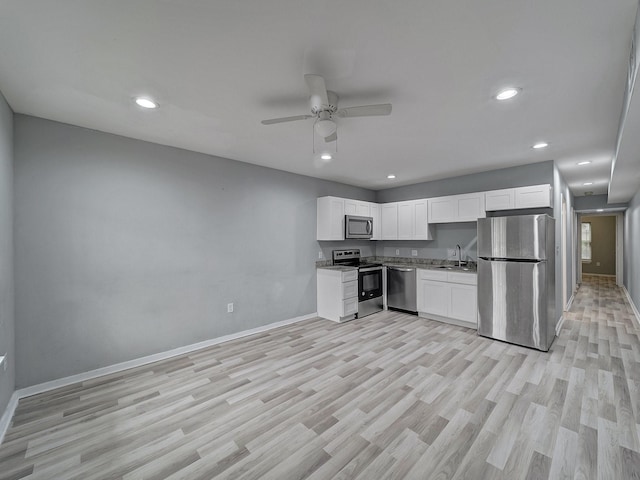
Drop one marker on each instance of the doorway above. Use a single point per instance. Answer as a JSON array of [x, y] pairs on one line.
[[600, 245]]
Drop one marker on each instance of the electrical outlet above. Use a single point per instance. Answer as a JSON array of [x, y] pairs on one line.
[[397, 251], [229, 307], [597, 264], [414, 253], [320, 255]]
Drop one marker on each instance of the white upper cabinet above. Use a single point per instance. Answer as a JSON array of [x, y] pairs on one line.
[[535, 196], [413, 222], [389, 221], [357, 207], [457, 208], [330, 218], [500, 199], [375, 214], [405, 221], [410, 220]]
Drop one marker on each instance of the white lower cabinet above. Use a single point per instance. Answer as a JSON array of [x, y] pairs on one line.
[[337, 294], [448, 296]]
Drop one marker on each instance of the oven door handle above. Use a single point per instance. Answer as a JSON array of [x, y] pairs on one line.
[[369, 269]]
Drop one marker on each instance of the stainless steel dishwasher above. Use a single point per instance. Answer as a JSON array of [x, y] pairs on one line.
[[401, 288]]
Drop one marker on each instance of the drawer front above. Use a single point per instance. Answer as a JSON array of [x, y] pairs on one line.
[[349, 306], [465, 278], [350, 289], [350, 275], [424, 274]]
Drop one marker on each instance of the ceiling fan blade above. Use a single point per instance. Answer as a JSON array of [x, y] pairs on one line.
[[285, 119], [365, 111], [317, 89], [331, 138]]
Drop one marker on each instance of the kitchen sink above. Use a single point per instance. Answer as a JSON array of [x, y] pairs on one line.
[[455, 267]]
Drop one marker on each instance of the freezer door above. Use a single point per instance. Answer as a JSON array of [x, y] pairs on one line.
[[512, 302], [515, 237]]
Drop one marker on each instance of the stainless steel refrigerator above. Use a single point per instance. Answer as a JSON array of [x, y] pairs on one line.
[[516, 279]]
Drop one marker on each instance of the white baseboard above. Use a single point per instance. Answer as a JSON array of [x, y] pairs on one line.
[[598, 274], [570, 302], [633, 306], [559, 325], [5, 420], [118, 367]]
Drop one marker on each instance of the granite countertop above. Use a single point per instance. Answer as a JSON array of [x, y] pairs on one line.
[[339, 268], [427, 263]]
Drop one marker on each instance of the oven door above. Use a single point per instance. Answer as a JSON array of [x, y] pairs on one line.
[[369, 283]]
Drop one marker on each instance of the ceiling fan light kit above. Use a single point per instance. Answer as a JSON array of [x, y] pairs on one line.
[[325, 127], [324, 105]]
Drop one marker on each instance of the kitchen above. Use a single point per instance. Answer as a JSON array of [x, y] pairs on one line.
[[132, 236], [351, 286]]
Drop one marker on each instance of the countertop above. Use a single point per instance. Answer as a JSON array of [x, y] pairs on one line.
[[339, 268], [426, 263]]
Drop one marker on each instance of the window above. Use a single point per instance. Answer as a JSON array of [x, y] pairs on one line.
[[586, 242]]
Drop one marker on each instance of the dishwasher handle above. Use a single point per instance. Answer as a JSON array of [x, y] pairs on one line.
[[402, 269]]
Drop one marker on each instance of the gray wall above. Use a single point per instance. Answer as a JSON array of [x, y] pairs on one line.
[[632, 249], [126, 248], [593, 202], [7, 383], [561, 188], [603, 245], [446, 236]]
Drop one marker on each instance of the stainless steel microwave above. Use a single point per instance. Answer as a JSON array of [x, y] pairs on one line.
[[358, 227]]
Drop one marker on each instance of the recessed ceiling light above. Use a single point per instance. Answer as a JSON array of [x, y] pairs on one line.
[[325, 156], [600, 210], [146, 102], [586, 162], [391, 176], [540, 145], [586, 184], [507, 93]]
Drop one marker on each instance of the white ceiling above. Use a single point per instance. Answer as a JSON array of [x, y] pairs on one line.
[[219, 67]]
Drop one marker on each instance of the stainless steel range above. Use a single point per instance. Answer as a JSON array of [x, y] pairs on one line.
[[369, 280]]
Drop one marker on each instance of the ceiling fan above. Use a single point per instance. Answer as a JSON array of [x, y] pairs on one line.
[[324, 108]]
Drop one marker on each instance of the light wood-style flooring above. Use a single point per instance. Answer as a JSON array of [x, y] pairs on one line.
[[389, 396]]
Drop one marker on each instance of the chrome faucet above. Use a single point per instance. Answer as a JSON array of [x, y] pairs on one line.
[[459, 252]]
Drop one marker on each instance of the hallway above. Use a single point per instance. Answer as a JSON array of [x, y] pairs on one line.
[[603, 338]]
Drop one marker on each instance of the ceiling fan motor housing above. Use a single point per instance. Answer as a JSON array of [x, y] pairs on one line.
[[317, 106]]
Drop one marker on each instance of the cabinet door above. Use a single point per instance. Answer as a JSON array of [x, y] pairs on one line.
[[363, 209], [389, 221], [356, 207], [406, 220], [470, 207], [434, 297], [499, 200], [420, 220], [330, 218], [536, 196], [463, 302], [442, 210], [350, 206], [375, 214]]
